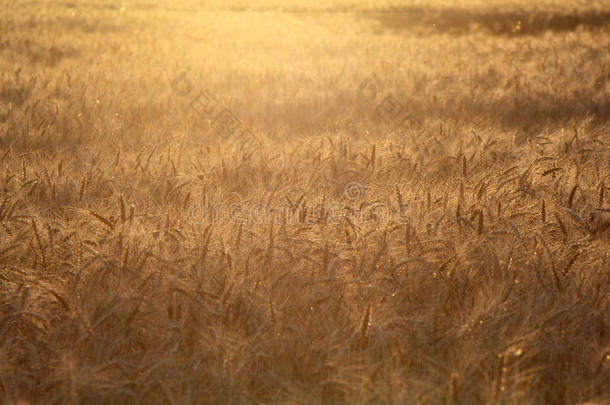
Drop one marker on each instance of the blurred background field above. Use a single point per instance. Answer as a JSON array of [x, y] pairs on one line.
[[512, 69]]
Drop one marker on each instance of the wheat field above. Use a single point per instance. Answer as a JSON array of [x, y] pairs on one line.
[[289, 202]]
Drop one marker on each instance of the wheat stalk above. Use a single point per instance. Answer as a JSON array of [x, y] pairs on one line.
[[453, 398], [122, 212], [107, 222], [43, 256], [572, 194], [83, 188], [500, 382], [365, 325]]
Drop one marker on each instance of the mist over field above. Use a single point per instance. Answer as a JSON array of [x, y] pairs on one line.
[[290, 202]]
